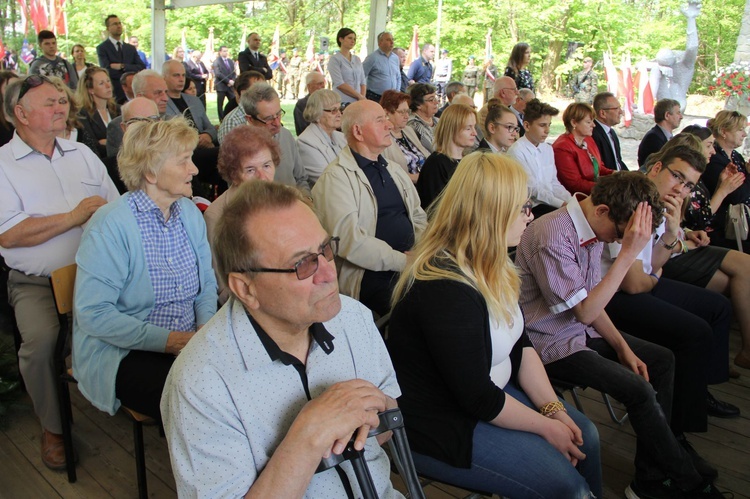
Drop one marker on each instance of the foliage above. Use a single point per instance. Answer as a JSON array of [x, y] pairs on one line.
[[560, 32]]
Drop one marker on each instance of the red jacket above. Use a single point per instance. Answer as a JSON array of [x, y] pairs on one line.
[[574, 167]]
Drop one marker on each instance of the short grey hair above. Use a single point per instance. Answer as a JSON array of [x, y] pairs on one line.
[[167, 64], [318, 101], [139, 80], [260, 92], [309, 77], [454, 87], [11, 99], [381, 35], [526, 94]]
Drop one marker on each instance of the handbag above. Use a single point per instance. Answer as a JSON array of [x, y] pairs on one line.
[[737, 223]]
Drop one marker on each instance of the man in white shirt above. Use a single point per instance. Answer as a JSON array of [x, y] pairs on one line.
[[49, 188], [537, 158]]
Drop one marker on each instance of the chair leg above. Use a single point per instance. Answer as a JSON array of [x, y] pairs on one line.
[[140, 459], [577, 400], [611, 410], [63, 396]]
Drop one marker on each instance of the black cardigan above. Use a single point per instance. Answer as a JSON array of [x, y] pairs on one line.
[[439, 342], [436, 172]]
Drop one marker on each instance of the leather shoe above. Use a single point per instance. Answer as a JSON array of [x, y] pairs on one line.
[[701, 465], [742, 360], [53, 451], [720, 409]]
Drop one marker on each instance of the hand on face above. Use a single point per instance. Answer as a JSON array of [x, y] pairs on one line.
[[639, 229]]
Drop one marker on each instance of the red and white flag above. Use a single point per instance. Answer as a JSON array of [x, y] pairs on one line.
[[310, 52], [627, 83]]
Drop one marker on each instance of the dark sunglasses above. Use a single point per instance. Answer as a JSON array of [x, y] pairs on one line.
[[30, 82]]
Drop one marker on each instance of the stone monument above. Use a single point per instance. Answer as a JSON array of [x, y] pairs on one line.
[[677, 66]]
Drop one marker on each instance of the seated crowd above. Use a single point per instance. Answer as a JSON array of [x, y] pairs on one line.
[[626, 282]]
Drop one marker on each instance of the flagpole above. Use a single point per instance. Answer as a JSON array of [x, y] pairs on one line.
[[439, 25]]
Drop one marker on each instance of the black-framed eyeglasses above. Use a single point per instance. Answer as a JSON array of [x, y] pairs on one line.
[[268, 119], [142, 119], [680, 179], [526, 208], [509, 127], [30, 82], [307, 265]]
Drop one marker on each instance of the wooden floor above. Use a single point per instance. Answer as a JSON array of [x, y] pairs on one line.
[[106, 467]]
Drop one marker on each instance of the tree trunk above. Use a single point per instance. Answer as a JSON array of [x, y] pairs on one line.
[[552, 59], [742, 53]]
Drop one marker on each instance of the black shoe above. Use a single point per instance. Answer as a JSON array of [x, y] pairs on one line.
[[701, 465], [720, 409], [653, 490], [706, 490]]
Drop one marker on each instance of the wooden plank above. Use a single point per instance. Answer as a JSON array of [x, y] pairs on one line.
[[18, 477]]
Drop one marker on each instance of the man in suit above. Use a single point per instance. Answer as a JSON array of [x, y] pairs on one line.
[[667, 115], [126, 80], [608, 114], [116, 56], [198, 72], [224, 76], [251, 58], [179, 103]]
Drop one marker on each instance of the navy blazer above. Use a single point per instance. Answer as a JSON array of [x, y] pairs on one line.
[[128, 56], [247, 62], [223, 74], [605, 149], [652, 142]]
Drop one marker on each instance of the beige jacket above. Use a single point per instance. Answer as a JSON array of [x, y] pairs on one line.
[[347, 208]]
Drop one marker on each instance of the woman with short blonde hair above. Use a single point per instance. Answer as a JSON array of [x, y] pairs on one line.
[[455, 132], [472, 384], [144, 284]]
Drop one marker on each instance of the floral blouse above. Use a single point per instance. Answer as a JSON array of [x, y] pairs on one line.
[[523, 78], [698, 215]]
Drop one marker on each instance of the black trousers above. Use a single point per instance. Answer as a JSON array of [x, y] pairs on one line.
[[140, 381], [220, 96], [694, 324]]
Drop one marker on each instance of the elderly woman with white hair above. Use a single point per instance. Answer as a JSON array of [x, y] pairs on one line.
[[321, 142], [144, 284]]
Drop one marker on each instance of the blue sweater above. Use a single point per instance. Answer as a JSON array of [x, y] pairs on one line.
[[114, 296]]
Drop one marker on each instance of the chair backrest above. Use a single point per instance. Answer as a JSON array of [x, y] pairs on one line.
[[62, 281]]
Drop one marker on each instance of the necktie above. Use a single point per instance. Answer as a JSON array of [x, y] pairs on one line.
[[255, 54], [119, 47], [616, 142], [226, 63]]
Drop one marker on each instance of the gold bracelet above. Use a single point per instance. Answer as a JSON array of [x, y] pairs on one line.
[[551, 408]]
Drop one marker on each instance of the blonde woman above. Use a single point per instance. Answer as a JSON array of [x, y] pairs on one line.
[[472, 385], [455, 131], [98, 106]]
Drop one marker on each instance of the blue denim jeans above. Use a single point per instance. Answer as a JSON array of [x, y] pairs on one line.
[[658, 455], [519, 464]]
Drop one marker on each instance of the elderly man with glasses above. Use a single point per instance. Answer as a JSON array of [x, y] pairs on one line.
[[49, 188], [608, 114], [286, 372], [262, 108]]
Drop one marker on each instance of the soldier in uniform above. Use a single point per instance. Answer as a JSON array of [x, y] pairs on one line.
[[585, 84], [295, 72], [281, 74], [470, 77]]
